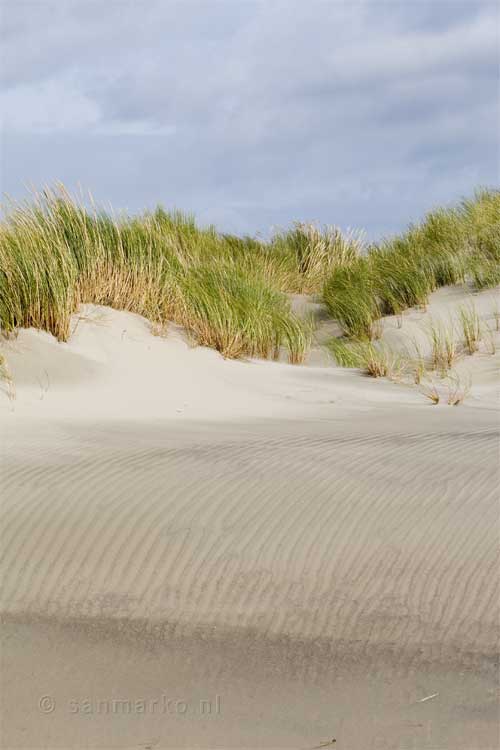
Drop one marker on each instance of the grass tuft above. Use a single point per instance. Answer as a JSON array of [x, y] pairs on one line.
[[349, 297], [240, 315], [431, 392], [445, 350], [375, 360], [471, 328], [458, 390], [416, 362], [308, 254]]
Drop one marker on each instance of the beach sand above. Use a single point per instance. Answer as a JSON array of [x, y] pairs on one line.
[[206, 553]]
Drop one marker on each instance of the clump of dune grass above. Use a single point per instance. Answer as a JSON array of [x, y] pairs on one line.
[[458, 389], [350, 299], [418, 371], [345, 352], [239, 315], [481, 216], [308, 253], [445, 349], [416, 362], [381, 362], [375, 360], [400, 276], [57, 253], [450, 246], [471, 327], [431, 392], [485, 273]]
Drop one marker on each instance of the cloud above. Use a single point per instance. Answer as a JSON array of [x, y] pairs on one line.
[[255, 113]]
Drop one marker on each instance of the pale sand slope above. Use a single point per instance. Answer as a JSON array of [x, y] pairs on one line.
[[316, 548]]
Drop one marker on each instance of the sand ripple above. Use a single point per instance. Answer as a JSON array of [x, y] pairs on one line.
[[313, 530]]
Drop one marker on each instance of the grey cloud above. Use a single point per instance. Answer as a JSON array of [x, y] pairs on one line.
[[269, 111]]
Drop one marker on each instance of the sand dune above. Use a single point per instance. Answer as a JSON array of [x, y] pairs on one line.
[[317, 549]]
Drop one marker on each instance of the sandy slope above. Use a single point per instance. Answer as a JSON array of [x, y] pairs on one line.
[[317, 549]]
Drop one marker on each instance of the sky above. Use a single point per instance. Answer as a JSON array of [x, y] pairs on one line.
[[254, 114]]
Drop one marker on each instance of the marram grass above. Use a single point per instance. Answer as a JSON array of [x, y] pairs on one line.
[[449, 246], [375, 360], [230, 292]]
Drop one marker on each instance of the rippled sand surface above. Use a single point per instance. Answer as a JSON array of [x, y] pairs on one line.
[[263, 580]]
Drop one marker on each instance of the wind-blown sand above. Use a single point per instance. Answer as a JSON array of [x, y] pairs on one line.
[[313, 552]]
